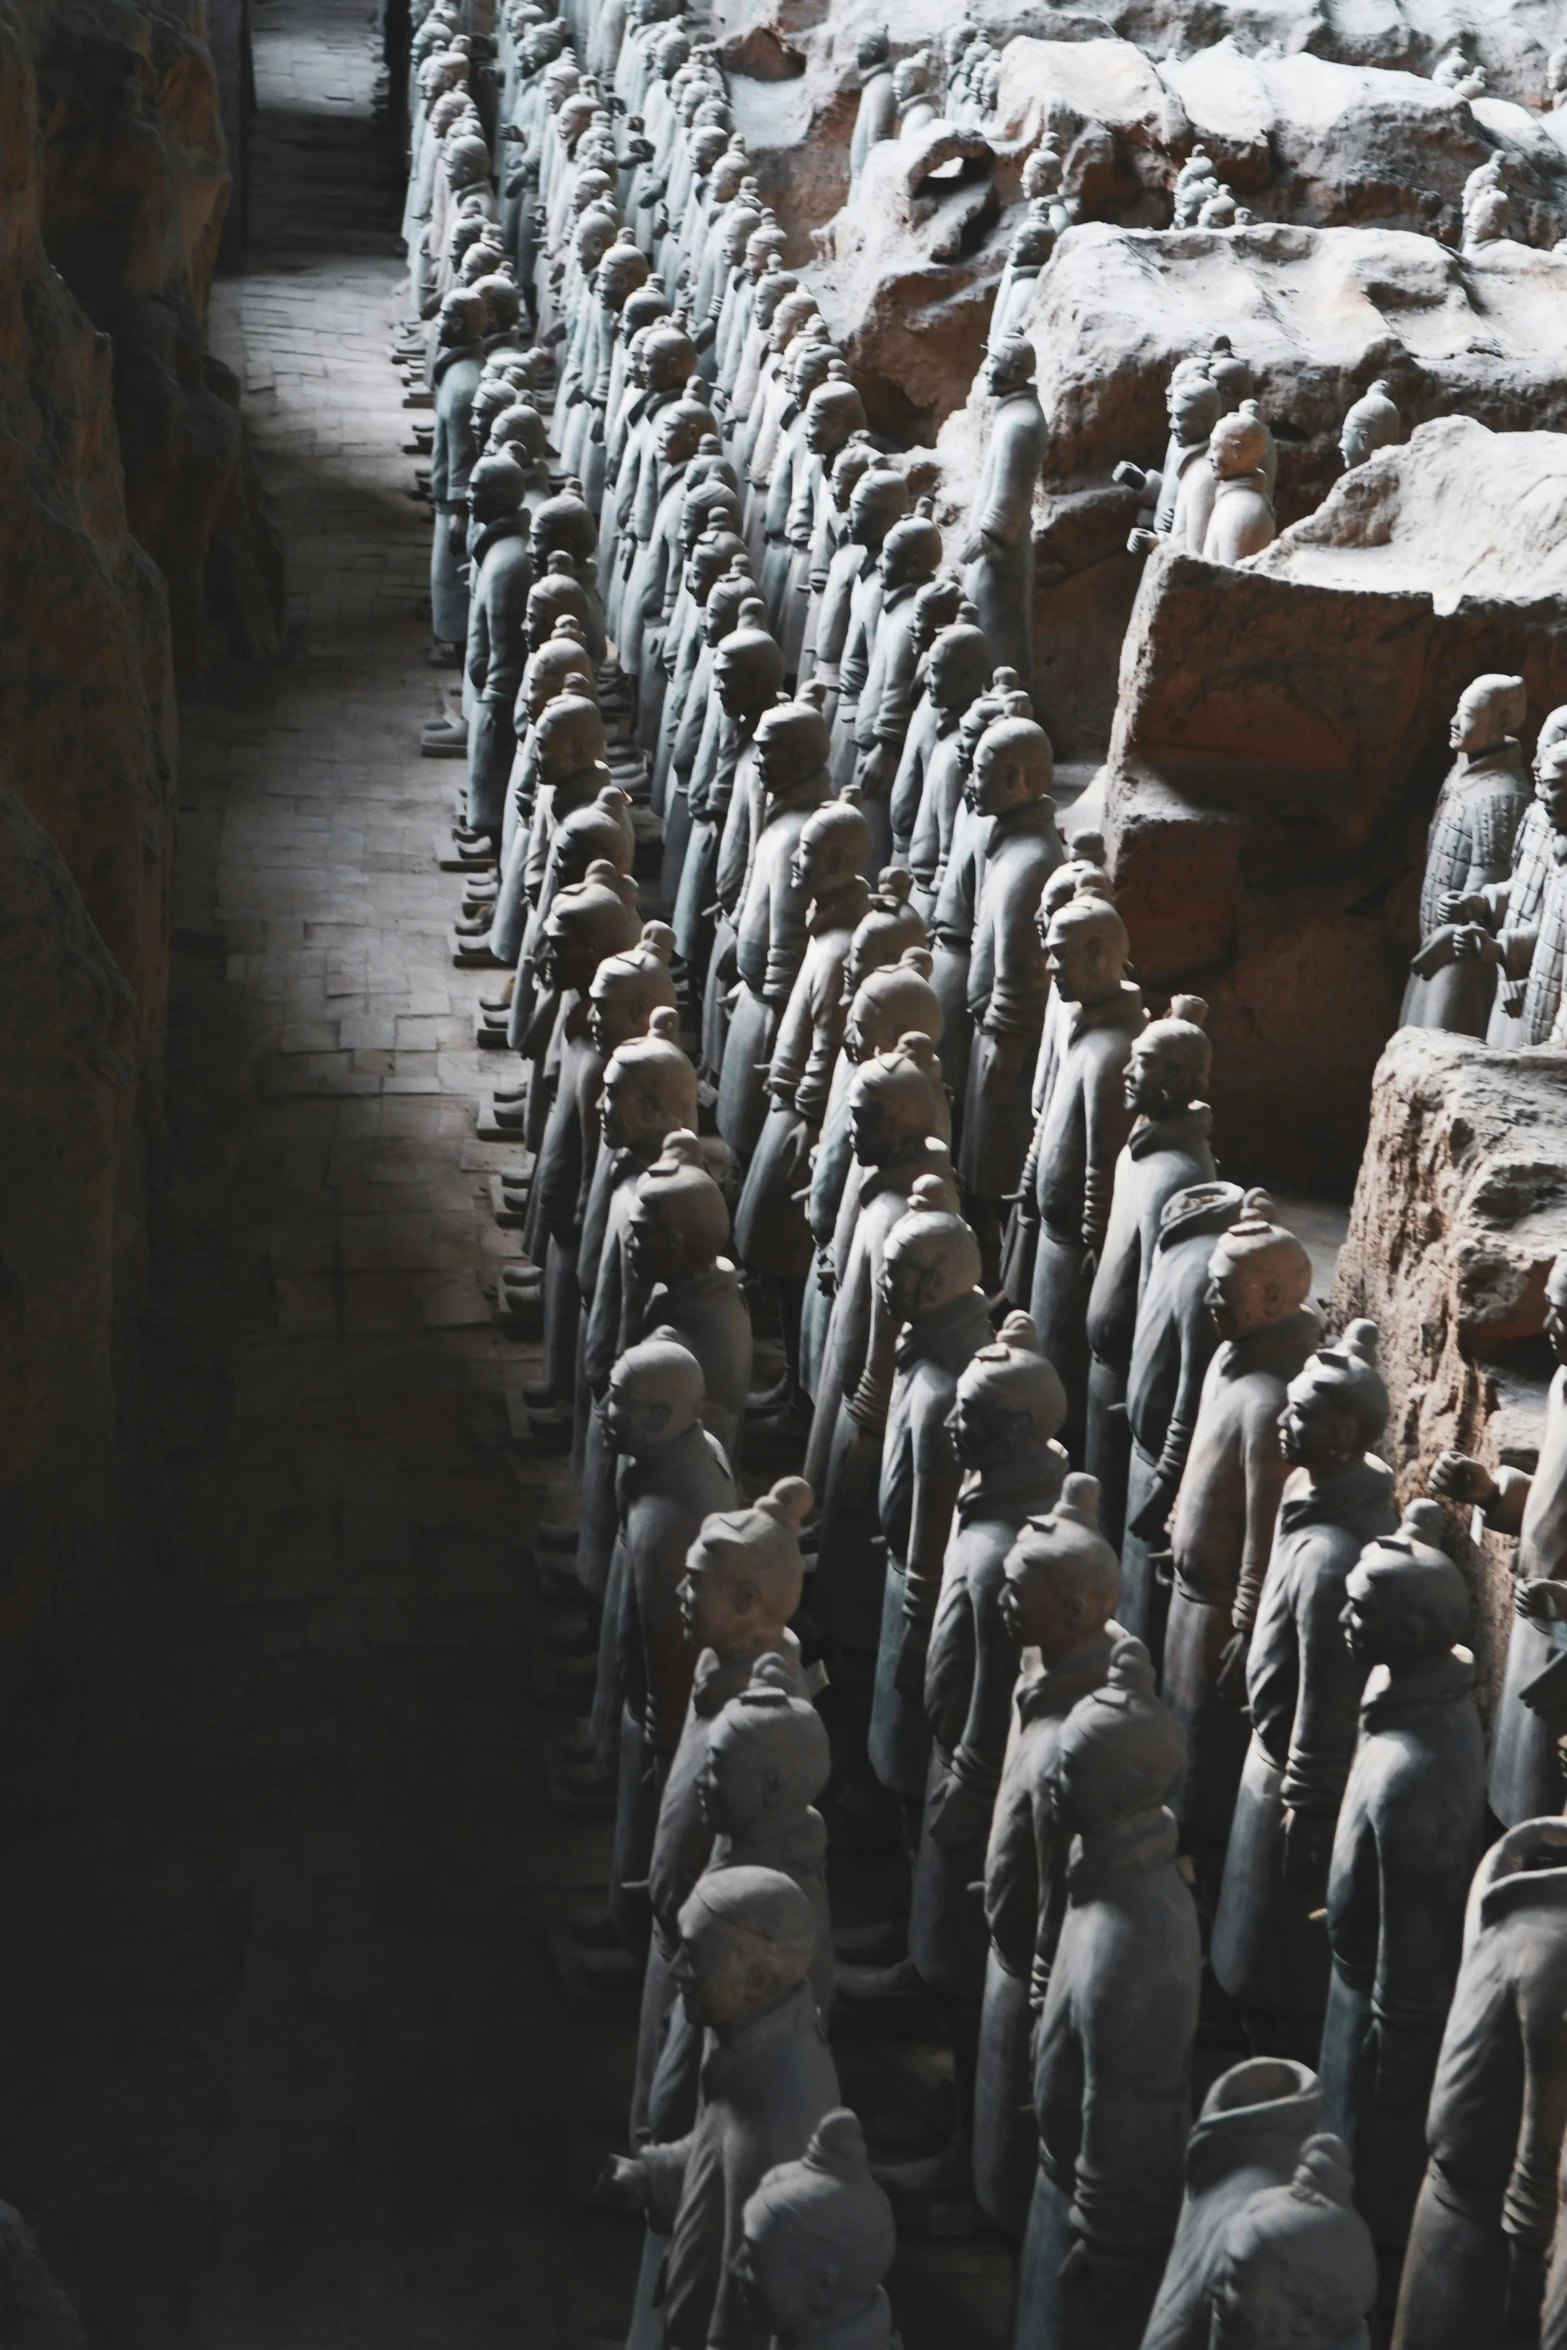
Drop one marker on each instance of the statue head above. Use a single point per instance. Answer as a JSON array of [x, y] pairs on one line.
[[1258, 1274], [793, 314], [936, 606], [568, 735], [768, 1756], [601, 830], [466, 160], [628, 989], [655, 1395], [833, 411], [1042, 169], [911, 551], [557, 594], [727, 599], [892, 1000], [669, 358], [564, 522], [496, 488], [728, 174], [748, 666], [1171, 1060], [1086, 948], [810, 360], [889, 926], [931, 1256], [1121, 1752], [1013, 767], [1372, 423], [502, 302], [771, 287], [679, 430], [1405, 1603], [744, 1572], [765, 243], [819, 2235], [1191, 402], [1490, 710], [640, 312], [1009, 365], [1075, 877], [747, 1939], [715, 549], [622, 270], [649, 1088], [833, 846], [1296, 2264], [1239, 444], [588, 920], [897, 1101], [1063, 1579], [1335, 1408], [1032, 244], [1010, 1403], [872, 49], [519, 428], [958, 668], [680, 1218], [791, 742], [740, 223], [461, 324], [560, 666], [878, 501]]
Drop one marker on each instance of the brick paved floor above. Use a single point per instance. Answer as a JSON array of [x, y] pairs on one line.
[[284, 2062]]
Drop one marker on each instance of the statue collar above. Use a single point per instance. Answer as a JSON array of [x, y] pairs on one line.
[[794, 2018], [1525, 1869], [1055, 1689], [1035, 1479], [809, 792], [1272, 2131], [1364, 1487], [1386, 1700], [445, 360], [1029, 817], [892, 597], [717, 1680], [1135, 1847], [644, 1473], [1124, 1009], [954, 1330], [796, 1845], [1503, 758], [1252, 1353], [1202, 1217], [1192, 1124], [864, 2325], [573, 1016], [844, 910], [1256, 482], [716, 1280], [509, 526]]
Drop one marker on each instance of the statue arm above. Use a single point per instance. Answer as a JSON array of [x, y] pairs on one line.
[[1109, 1123], [982, 1748], [786, 938], [1135, 2040], [1012, 1881], [1422, 1898], [895, 702], [937, 1476], [1327, 1701], [665, 2170], [1009, 502], [1265, 1471]]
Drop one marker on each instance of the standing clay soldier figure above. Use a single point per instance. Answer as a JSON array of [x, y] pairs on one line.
[[1180, 495], [678, 1228], [501, 573], [1113, 2053], [1372, 423], [1482, 2229], [1469, 848], [876, 117], [747, 1938], [672, 1475], [1525, 1778], [1296, 2263], [1242, 522], [771, 1231], [1303, 1685], [1172, 1347], [1000, 555], [1409, 1831], [458, 366], [1222, 1538], [1007, 980], [930, 1290], [1255, 2123], [1167, 1151], [1069, 1177], [1056, 1600], [819, 2238]]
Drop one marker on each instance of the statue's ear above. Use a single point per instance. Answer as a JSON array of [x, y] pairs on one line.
[[824, 2284], [772, 1783]]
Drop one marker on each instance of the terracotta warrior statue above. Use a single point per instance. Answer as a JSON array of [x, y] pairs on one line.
[[1222, 1537], [747, 1939], [1525, 1779], [1172, 1346], [459, 361], [1469, 848], [1242, 522], [1113, 2049], [1410, 1828], [1494, 2127], [958, 668], [1164, 1086], [1255, 2123], [1372, 423], [1519, 926], [740, 1591], [819, 2238], [501, 573], [671, 1476], [1296, 2262], [1303, 1685], [1179, 497], [1084, 1119], [930, 1290], [676, 1233], [1053, 1608], [1000, 554]]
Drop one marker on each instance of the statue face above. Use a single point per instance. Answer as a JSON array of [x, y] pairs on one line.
[[616, 1012], [1476, 724], [997, 781], [1315, 1431], [1551, 790], [717, 1608], [949, 681], [878, 1133], [742, 685], [635, 1111], [1007, 369], [1377, 1624], [721, 1977], [1043, 1609], [782, 2293], [637, 1419], [738, 1786], [1190, 410], [1556, 1309], [657, 1244], [1157, 1080], [820, 861], [1242, 1295], [1353, 446], [1077, 957], [908, 1288], [985, 1436]]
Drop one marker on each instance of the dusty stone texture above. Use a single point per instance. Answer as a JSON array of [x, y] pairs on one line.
[[1460, 1207], [1280, 736], [135, 187], [1317, 314]]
